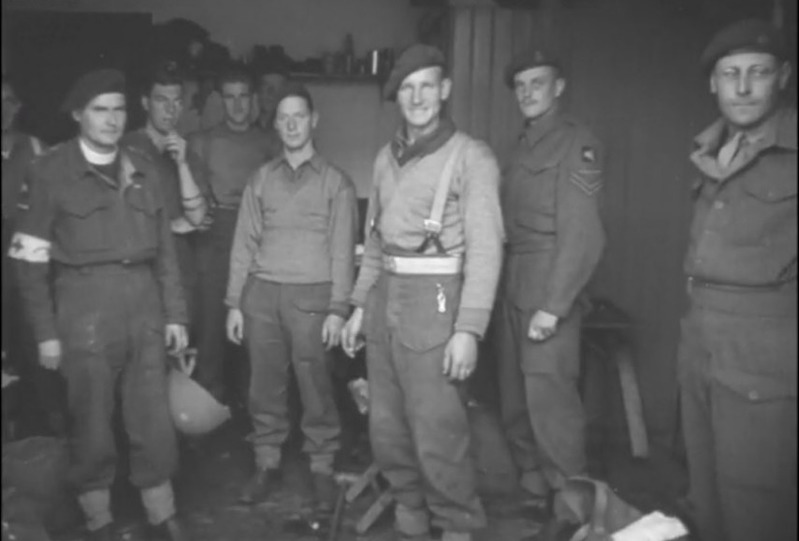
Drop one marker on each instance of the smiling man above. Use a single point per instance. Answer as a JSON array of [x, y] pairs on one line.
[[739, 340], [550, 203], [294, 247], [96, 222], [229, 155], [423, 299]]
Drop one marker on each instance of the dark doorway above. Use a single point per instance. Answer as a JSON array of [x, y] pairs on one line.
[[48, 50]]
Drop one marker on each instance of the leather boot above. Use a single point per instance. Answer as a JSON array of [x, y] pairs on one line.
[[262, 484]]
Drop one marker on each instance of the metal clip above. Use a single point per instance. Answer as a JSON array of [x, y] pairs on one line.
[[441, 298]]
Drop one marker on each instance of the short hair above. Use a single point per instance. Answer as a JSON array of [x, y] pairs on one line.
[[295, 90], [235, 74], [165, 73]]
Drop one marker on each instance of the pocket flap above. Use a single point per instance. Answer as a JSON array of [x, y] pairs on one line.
[[314, 301], [142, 200], [772, 190], [83, 204], [758, 388]]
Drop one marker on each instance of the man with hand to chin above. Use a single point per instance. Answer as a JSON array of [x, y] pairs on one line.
[[550, 204], [291, 274], [423, 299], [96, 221]]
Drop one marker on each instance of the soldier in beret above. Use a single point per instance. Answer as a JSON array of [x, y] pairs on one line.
[[738, 348], [96, 221], [423, 298], [550, 204]]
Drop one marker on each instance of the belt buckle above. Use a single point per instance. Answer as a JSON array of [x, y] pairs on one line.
[[391, 264]]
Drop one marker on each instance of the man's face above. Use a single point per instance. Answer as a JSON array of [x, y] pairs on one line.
[[747, 86], [537, 90], [237, 98], [102, 121], [295, 122], [421, 96], [163, 106], [11, 106], [269, 85]]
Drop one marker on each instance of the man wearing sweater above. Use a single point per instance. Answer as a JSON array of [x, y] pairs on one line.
[[423, 299], [291, 273]]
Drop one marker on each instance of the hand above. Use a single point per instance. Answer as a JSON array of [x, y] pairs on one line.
[[235, 326], [331, 331], [460, 356], [181, 226], [205, 225], [8, 379], [176, 338], [351, 339], [542, 326], [50, 354], [176, 146]]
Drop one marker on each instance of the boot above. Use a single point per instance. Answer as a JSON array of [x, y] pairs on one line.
[[172, 530], [262, 484], [325, 491]]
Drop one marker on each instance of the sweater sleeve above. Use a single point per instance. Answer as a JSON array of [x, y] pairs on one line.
[[371, 262], [343, 232], [484, 237], [249, 227]]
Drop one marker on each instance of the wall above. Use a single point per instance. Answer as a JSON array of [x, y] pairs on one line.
[[304, 27]]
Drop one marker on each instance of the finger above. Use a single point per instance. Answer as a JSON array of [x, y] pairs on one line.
[[325, 335], [447, 362]]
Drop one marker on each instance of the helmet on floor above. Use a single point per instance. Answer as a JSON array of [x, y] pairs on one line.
[[194, 410]]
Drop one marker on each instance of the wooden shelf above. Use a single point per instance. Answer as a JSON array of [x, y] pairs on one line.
[[336, 79]]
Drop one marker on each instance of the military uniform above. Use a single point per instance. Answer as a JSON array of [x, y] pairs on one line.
[[116, 284], [738, 348], [550, 204]]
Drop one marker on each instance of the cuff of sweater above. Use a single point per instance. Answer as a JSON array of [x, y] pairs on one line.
[[44, 331], [559, 309], [339, 308], [233, 302], [358, 298], [473, 320]]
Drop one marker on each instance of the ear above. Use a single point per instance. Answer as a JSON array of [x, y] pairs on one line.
[[714, 87], [145, 103], [314, 120], [446, 88], [76, 115], [560, 86], [785, 75]]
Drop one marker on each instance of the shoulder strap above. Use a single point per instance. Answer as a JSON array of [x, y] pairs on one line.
[[433, 224]]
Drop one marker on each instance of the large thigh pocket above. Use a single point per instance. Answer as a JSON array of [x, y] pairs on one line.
[[428, 307], [754, 419]]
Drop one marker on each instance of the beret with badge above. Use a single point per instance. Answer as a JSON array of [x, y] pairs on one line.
[[751, 35], [534, 58], [93, 84], [414, 58]]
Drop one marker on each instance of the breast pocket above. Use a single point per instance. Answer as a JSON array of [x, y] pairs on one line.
[[84, 226], [533, 200], [767, 214]]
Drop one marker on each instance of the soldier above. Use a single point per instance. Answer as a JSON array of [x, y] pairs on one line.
[[423, 297], [229, 155], [174, 164], [295, 248], [96, 220], [555, 238], [738, 347]]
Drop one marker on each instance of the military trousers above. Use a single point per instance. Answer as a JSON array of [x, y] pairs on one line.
[[737, 366], [418, 422], [111, 326], [283, 331], [221, 365], [541, 407]]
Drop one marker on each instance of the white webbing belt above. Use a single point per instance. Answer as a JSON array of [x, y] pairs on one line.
[[422, 265]]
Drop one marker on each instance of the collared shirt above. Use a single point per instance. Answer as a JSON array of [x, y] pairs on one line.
[[400, 201], [550, 204], [229, 158], [297, 226], [78, 217], [744, 230]]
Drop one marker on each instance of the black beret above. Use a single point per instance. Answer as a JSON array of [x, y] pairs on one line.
[[91, 85], [747, 35], [414, 58], [535, 58]]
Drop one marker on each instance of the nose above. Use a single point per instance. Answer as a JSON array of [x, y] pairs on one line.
[[291, 124], [416, 97], [744, 86], [171, 109]]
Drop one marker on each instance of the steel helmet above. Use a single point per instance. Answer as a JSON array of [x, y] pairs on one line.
[[194, 410]]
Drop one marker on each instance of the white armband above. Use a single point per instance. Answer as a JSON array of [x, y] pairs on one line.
[[29, 248]]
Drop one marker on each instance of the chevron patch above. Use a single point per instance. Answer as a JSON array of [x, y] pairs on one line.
[[588, 181]]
